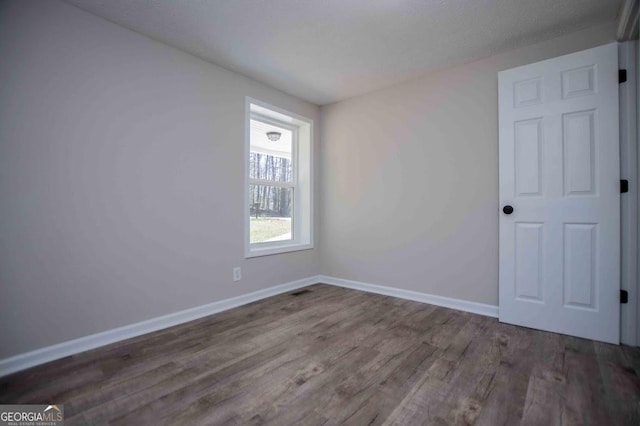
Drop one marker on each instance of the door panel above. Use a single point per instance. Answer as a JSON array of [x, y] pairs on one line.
[[578, 140], [559, 169], [528, 153], [580, 265], [528, 257]]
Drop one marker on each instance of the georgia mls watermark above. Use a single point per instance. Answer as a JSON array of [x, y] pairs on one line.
[[31, 415]]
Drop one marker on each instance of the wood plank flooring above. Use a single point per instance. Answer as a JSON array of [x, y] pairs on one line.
[[336, 356]]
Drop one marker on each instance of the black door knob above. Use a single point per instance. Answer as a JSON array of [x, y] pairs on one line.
[[507, 209]]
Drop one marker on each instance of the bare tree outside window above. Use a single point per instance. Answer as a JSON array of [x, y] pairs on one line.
[[269, 201]]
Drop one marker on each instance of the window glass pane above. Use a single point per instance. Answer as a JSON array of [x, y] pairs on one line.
[[269, 167], [271, 149], [271, 210]]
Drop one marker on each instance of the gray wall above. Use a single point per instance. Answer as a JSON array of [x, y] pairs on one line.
[[410, 178], [121, 178]]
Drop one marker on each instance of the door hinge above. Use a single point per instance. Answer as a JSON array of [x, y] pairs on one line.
[[622, 76], [624, 186], [624, 296]]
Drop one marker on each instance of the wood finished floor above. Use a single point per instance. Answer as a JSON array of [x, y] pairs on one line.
[[339, 356]]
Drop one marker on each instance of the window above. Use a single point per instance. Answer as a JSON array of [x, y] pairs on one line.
[[278, 187]]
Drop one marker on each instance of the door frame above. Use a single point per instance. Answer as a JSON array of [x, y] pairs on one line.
[[629, 159]]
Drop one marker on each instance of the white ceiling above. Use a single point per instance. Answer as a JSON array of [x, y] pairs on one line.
[[324, 51]]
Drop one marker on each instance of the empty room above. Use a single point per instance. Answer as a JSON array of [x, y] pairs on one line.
[[364, 212]]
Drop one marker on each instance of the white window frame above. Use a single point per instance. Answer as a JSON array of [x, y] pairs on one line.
[[302, 181]]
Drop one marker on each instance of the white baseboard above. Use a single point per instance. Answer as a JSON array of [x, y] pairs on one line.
[[40, 356], [447, 302]]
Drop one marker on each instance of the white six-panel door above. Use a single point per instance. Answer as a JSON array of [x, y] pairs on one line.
[[559, 171]]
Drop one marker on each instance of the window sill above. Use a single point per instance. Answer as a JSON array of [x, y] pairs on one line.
[[268, 250]]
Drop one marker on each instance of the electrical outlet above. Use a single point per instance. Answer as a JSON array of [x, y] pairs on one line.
[[237, 274]]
